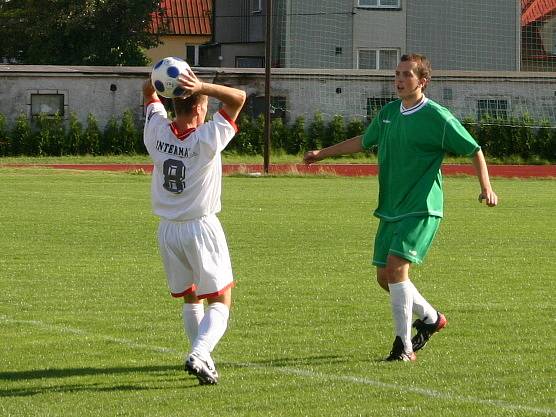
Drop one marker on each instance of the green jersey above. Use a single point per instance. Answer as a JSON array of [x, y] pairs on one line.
[[411, 145]]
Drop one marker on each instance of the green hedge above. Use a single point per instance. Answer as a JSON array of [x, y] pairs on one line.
[[52, 136]]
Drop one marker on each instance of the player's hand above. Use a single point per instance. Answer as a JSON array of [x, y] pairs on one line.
[[311, 157], [190, 83], [490, 197]]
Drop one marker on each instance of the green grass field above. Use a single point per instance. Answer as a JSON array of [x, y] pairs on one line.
[[89, 329]]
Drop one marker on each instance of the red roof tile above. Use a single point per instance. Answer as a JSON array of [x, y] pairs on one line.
[[184, 17], [533, 10]]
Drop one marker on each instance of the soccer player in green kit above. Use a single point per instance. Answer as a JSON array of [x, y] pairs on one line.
[[412, 134]]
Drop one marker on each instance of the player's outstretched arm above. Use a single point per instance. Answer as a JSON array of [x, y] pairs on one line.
[[149, 93], [231, 98], [481, 169], [347, 147]]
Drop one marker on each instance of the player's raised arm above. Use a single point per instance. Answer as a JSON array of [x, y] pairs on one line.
[[481, 169], [232, 98], [347, 147], [149, 93]]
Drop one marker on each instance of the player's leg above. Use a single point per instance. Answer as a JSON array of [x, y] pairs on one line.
[[392, 276], [193, 313], [421, 308], [401, 300], [211, 329], [179, 274], [214, 324], [412, 242], [212, 265]]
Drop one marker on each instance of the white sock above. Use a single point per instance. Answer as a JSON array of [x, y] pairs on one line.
[[192, 315], [211, 329], [401, 298], [422, 308]]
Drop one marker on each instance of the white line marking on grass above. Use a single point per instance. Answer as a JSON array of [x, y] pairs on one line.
[[72, 330], [443, 395], [395, 387]]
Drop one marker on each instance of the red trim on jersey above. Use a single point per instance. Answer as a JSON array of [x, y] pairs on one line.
[[181, 135], [229, 119], [217, 293], [181, 294], [154, 100]]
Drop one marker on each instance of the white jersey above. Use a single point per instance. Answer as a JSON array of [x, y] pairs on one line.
[[187, 174]]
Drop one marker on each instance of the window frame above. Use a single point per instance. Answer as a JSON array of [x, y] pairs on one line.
[[493, 108], [379, 5], [64, 113], [195, 62], [381, 100], [256, 6], [377, 57], [258, 57]]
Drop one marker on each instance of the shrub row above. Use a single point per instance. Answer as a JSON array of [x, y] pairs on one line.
[[51, 136], [523, 137], [295, 138]]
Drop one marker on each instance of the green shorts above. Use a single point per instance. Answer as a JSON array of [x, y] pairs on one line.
[[409, 238]]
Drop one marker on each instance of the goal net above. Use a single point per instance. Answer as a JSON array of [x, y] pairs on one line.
[[492, 60]]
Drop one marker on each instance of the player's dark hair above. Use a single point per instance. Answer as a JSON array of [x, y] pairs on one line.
[[424, 69], [184, 106]]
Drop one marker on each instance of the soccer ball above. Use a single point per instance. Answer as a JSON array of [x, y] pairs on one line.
[[164, 77]]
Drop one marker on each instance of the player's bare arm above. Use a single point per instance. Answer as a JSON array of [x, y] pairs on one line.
[[347, 147], [149, 93], [487, 194], [232, 98]]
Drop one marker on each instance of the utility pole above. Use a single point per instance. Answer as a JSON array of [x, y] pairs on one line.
[[267, 65]]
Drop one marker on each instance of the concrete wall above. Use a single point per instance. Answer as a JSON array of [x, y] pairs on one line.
[[88, 90], [102, 91]]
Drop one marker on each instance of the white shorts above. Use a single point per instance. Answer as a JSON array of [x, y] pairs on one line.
[[195, 256]]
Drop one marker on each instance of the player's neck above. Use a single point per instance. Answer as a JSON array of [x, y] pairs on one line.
[[185, 124], [412, 100]]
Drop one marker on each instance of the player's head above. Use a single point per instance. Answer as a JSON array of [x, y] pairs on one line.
[[193, 106], [420, 67]]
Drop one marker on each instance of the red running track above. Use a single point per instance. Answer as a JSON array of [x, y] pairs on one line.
[[351, 170]]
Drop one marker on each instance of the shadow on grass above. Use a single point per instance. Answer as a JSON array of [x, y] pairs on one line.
[[70, 372], [289, 361], [41, 385]]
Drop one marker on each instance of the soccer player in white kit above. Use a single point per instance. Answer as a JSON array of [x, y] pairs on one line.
[[186, 187]]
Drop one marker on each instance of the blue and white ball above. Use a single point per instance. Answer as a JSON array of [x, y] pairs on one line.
[[164, 76]]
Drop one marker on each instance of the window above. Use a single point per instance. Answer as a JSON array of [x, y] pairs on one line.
[[377, 59], [495, 108], [386, 4], [278, 107], [192, 55], [249, 62], [256, 6], [255, 106], [47, 104], [374, 104]]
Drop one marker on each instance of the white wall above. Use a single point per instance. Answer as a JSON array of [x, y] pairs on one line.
[[87, 90]]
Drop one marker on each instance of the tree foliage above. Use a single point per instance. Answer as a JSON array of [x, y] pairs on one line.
[[77, 32]]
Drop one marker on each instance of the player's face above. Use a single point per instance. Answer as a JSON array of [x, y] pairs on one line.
[[407, 82]]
